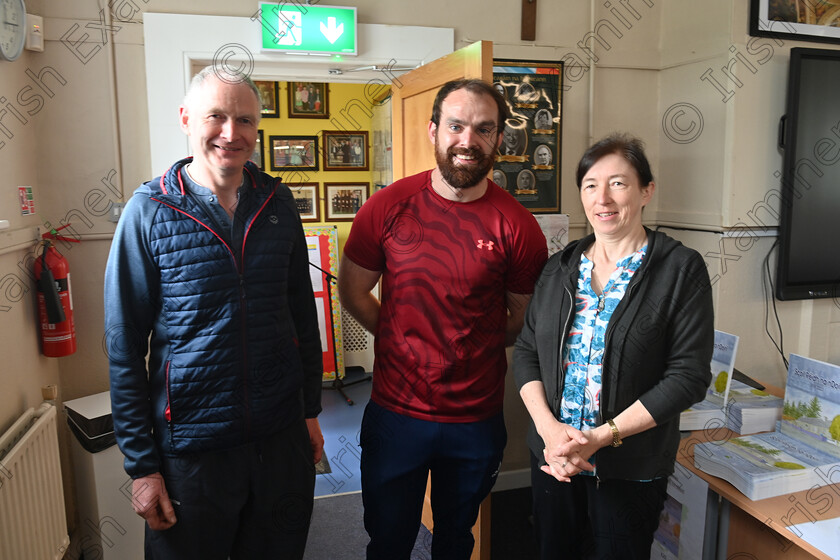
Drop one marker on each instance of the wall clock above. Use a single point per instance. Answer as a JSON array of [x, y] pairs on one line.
[[12, 28]]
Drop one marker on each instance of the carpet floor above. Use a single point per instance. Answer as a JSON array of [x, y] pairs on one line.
[[337, 531]]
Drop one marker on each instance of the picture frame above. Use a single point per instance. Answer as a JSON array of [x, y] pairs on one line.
[[343, 200], [258, 156], [269, 94], [289, 153], [307, 198], [308, 100], [346, 151], [528, 159], [795, 21]]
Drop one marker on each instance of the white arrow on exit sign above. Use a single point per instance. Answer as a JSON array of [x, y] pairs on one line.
[[330, 31]]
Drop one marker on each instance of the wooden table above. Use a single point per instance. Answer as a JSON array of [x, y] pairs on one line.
[[758, 529]]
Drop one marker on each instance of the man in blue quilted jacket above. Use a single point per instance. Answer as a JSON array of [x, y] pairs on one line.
[[213, 343]]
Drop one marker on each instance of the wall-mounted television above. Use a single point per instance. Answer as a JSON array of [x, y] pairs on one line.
[[809, 135]]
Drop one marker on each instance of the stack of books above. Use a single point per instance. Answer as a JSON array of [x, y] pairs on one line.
[[710, 412], [740, 407], [752, 410], [803, 453]]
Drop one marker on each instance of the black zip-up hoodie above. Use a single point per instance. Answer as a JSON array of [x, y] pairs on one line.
[[659, 345]]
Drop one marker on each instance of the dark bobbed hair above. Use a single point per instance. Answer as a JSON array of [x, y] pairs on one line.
[[629, 147], [476, 86]]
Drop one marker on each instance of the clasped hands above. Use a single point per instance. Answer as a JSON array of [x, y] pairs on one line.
[[567, 451]]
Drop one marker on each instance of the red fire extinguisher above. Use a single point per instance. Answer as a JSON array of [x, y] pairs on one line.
[[55, 301]]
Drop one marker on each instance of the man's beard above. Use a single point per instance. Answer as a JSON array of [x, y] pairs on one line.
[[462, 176]]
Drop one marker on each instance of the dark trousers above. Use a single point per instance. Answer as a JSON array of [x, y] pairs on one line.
[[398, 452], [586, 519], [253, 501]]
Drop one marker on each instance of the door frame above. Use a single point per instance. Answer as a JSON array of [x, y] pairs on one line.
[[177, 44]]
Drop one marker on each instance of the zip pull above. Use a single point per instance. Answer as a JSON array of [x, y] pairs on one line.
[[600, 303]]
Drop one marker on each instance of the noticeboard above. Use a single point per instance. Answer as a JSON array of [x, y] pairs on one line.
[[322, 243]]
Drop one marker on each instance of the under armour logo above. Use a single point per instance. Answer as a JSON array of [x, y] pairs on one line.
[[481, 245], [273, 219]]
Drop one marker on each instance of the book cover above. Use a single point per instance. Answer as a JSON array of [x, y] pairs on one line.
[[803, 451], [710, 412], [811, 411], [682, 523]]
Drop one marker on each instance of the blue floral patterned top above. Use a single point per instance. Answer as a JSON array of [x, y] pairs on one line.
[[583, 351]]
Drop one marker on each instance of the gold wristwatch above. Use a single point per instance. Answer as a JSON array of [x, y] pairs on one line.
[[616, 435]]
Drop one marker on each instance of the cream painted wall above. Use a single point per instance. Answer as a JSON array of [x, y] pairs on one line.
[[24, 370], [717, 175], [651, 70]]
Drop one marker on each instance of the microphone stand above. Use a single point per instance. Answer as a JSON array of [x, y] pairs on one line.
[[337, 383]]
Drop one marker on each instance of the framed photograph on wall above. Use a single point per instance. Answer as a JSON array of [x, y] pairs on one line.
[[293, 152], [307, 199], [343, 200], [528, 161], [797, 21], [257, 156], [308, 100], [346, 151], [268, 98]]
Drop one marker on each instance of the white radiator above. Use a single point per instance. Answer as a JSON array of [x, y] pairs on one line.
[[358, 343], [32, 520]]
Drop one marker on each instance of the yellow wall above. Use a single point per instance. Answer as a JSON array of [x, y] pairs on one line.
[[349, 111]]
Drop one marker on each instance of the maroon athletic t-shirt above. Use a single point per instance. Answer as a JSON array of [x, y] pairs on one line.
[[446, 266]]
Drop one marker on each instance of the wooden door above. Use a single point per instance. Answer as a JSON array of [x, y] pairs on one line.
[[411, 103], [413, 95]]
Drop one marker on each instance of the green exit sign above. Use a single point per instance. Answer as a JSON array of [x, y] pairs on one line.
[[289, 27]]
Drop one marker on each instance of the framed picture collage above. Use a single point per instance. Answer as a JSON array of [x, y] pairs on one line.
[[325, 150], [528, 161]]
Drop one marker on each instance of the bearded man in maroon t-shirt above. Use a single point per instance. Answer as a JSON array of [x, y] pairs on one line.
[[458, 257]]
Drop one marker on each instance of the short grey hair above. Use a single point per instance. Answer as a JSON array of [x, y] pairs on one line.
[[226, 75]]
